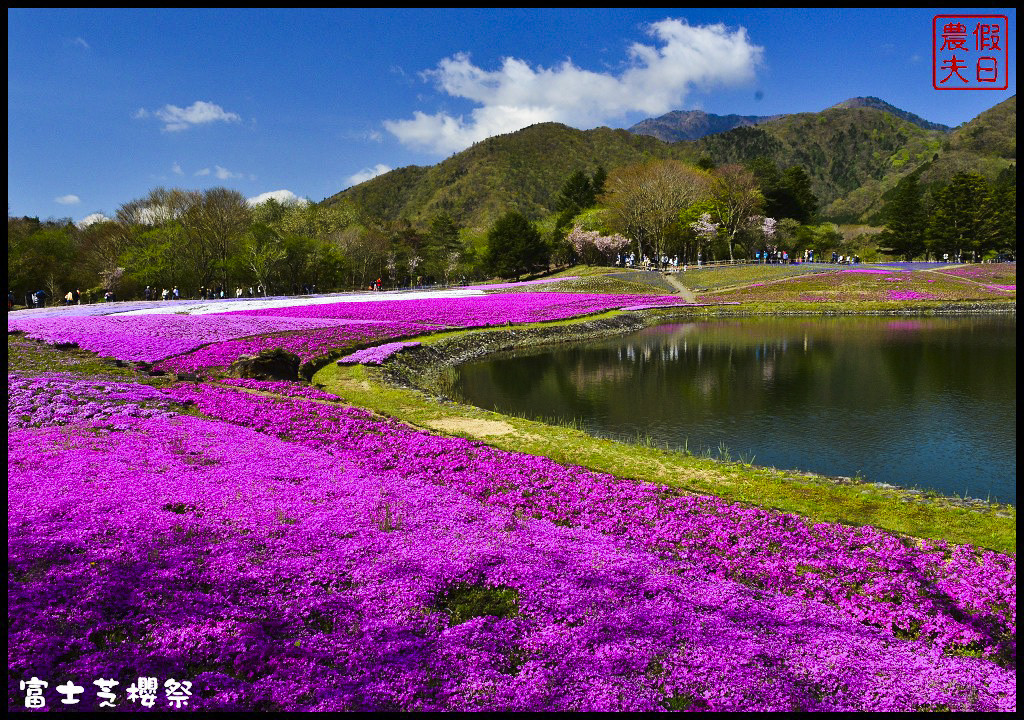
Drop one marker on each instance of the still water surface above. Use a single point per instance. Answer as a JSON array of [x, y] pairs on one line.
[[916, 402]]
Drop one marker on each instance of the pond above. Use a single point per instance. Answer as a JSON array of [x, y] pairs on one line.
[[911, 401]]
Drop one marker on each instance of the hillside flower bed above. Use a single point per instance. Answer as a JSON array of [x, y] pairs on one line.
[[479, 311], [308, 345], [58, 399], [192, 343], [716, 278], [871, 284], [284, 554], [281, 387], [375, 355], [854, 568], [149, 338], [985, 273]]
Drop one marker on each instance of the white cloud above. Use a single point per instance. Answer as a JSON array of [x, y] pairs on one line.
[[92, 219], [657, 79], [368, 174], [68, 199], [221, 173], [198, 113], [176, 169], [81, 43], [285, 197]]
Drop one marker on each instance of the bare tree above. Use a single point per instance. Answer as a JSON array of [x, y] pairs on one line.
[[214, 223], [645, 200], [263, 253], [737, 202]]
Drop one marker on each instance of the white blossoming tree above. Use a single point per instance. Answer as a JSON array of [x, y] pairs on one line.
[[706, 231], [594, 248]]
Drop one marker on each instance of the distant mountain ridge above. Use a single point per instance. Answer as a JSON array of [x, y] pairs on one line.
[[683, 125], [854, 153], [879, 104]]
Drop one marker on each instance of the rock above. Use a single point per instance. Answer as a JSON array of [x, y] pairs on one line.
[[276, 364]]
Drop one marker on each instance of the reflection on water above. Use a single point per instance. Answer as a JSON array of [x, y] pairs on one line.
[[918, 402]]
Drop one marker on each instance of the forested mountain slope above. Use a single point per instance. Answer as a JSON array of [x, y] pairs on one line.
[[854, 153]]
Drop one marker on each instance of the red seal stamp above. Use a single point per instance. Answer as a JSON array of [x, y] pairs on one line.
[[970, 52]]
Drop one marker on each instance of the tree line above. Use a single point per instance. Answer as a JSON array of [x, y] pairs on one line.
[[669, 209], [213, 242], [968, 218]]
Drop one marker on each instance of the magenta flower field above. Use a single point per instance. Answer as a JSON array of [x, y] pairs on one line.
[[280, 551], [375, 355], [286, 554], [184, 343], [882, 284], [478, 311]]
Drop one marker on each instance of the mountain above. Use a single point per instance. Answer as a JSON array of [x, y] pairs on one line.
[[878, 104], [855, 153], [991, 134], [849, 153], [680, 125], [523, 170]]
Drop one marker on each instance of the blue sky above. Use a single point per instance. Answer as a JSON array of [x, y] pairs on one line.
[[104, 105]]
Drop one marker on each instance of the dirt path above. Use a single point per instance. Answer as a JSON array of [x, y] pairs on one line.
[[681, 290]]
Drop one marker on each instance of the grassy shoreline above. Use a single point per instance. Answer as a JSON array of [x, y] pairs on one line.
[[410, 388]]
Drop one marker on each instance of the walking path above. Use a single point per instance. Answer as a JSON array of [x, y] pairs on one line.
[[681, 290]]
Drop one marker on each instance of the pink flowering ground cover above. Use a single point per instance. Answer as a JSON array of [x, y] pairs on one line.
[[375, 355], [874, 284], [281, 387], [59, 398], [149, 338], [476, 311], [870, 271], [190, 343], [985, 272], [293, 555], [726, 540], [307, 344], [909, 295]]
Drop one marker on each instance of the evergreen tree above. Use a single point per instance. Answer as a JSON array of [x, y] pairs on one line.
[[598, 180], [576, 194], [1002, 212], [796, 186], [959, 222], [515, 247], [443, 248], [786, 194], [904, 234]]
